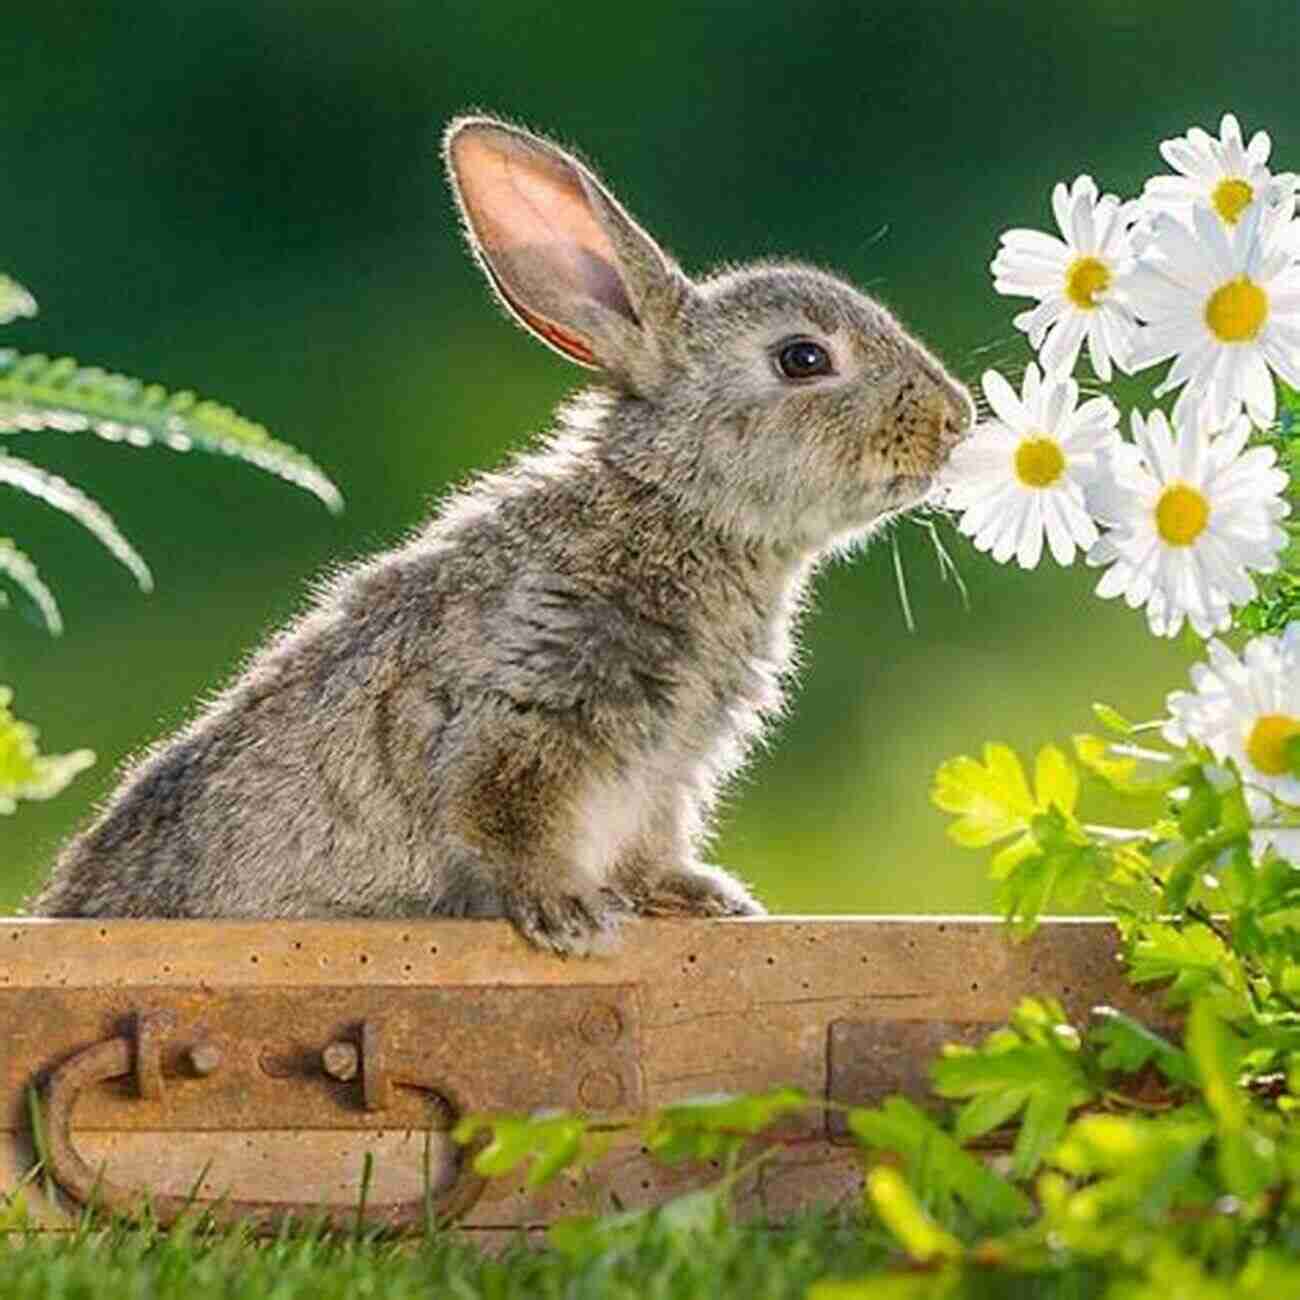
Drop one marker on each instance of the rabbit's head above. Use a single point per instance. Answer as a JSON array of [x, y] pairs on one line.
[[775, 399]]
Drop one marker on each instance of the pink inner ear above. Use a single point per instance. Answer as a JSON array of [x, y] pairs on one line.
[[523, 201]]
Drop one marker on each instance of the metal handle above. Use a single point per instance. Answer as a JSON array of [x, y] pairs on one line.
[[115, 1057]]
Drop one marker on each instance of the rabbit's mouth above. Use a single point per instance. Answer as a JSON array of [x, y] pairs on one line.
[[908, 487]]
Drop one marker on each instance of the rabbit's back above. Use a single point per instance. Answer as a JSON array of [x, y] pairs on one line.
[[559, 597]]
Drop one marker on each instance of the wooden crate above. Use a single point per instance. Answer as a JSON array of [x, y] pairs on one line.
[[255, 1064]]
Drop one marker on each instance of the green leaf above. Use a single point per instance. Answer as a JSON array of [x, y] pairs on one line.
[[1247, 1160], [1193, 958], [1065, 866], [72, 501], [1132, 1163], [39, 393], [1095, 754], [552, 1141], [1036, 1064], [1126, 1045], [703, 1128], [905, 1217], [23, 574], [936, 1164], [1056, 783], [1123, 772], [1200, 811], [992, 798], [26, 773], [1112, 719], [1005, 861], [15, 301]]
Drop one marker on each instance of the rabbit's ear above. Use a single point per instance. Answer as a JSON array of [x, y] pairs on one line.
[[565, 258]]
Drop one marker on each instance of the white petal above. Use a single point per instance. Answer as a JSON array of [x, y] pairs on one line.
[[1002, 398], [1029, 549], [1058, 535], [1061, 349]]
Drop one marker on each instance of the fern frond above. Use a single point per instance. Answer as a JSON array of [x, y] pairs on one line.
[[39, 393], [60, 494], [20, 570], [15, 301], [26, 773]]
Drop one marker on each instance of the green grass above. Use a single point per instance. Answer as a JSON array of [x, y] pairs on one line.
[[659, 1260]]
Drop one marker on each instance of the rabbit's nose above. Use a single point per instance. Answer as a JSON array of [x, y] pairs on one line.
[[957, 413]]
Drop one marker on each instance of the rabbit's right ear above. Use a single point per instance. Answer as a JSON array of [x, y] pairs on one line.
[[565, 258]]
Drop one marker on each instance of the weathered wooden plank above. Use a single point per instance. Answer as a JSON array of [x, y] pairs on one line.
[[828, 1004]]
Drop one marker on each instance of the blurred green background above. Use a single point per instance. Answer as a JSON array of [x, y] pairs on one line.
[[242, 196]]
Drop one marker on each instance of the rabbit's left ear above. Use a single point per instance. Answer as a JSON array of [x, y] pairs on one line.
[[565, 258]]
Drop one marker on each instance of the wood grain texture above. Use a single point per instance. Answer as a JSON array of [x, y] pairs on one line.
[[721, 1006]]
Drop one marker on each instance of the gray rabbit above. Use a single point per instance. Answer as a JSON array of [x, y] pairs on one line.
[[528, 710]]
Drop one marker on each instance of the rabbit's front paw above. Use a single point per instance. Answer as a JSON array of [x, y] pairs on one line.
[[698, 891], [569, 924]]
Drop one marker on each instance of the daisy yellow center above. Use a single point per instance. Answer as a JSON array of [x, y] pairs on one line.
[[1085, 278], [1181, 515], [1237, 310], [1267, 744], [1039, 462], [1231, 198]]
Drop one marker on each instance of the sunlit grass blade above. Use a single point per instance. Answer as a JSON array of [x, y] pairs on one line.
[[39, 393], [900, 581], [15, 301], [948, 569], [61, 494], [20, 570]]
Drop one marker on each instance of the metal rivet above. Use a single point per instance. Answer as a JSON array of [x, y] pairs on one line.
[[341, 1061], [277, 1061], [600, 1090], [601, 1024], [204, 1058]]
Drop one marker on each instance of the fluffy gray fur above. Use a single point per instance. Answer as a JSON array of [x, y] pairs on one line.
[[528, 710]]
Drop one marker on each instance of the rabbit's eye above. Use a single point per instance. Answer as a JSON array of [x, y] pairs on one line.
[[803, 359]]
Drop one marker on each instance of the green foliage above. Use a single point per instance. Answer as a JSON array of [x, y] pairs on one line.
[[1050, 854], [1117, 1158], [705, 1128], [948, 1180], [15, 301], [26, 773], [38, 394], [550, 1142], [1278, 601], [1126, 1045], [1033, 1068]]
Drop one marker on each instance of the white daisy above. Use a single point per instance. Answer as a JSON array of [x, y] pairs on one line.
[[1021, 476], [1073, 279], [1224, 174], [1188, 516], [1248, 709], [1225, 301]]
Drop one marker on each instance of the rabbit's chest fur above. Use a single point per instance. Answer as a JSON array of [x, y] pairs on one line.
[[663, 644]]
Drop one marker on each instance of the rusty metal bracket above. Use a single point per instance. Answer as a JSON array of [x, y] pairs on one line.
[[275, 1059], [113, 1058]]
